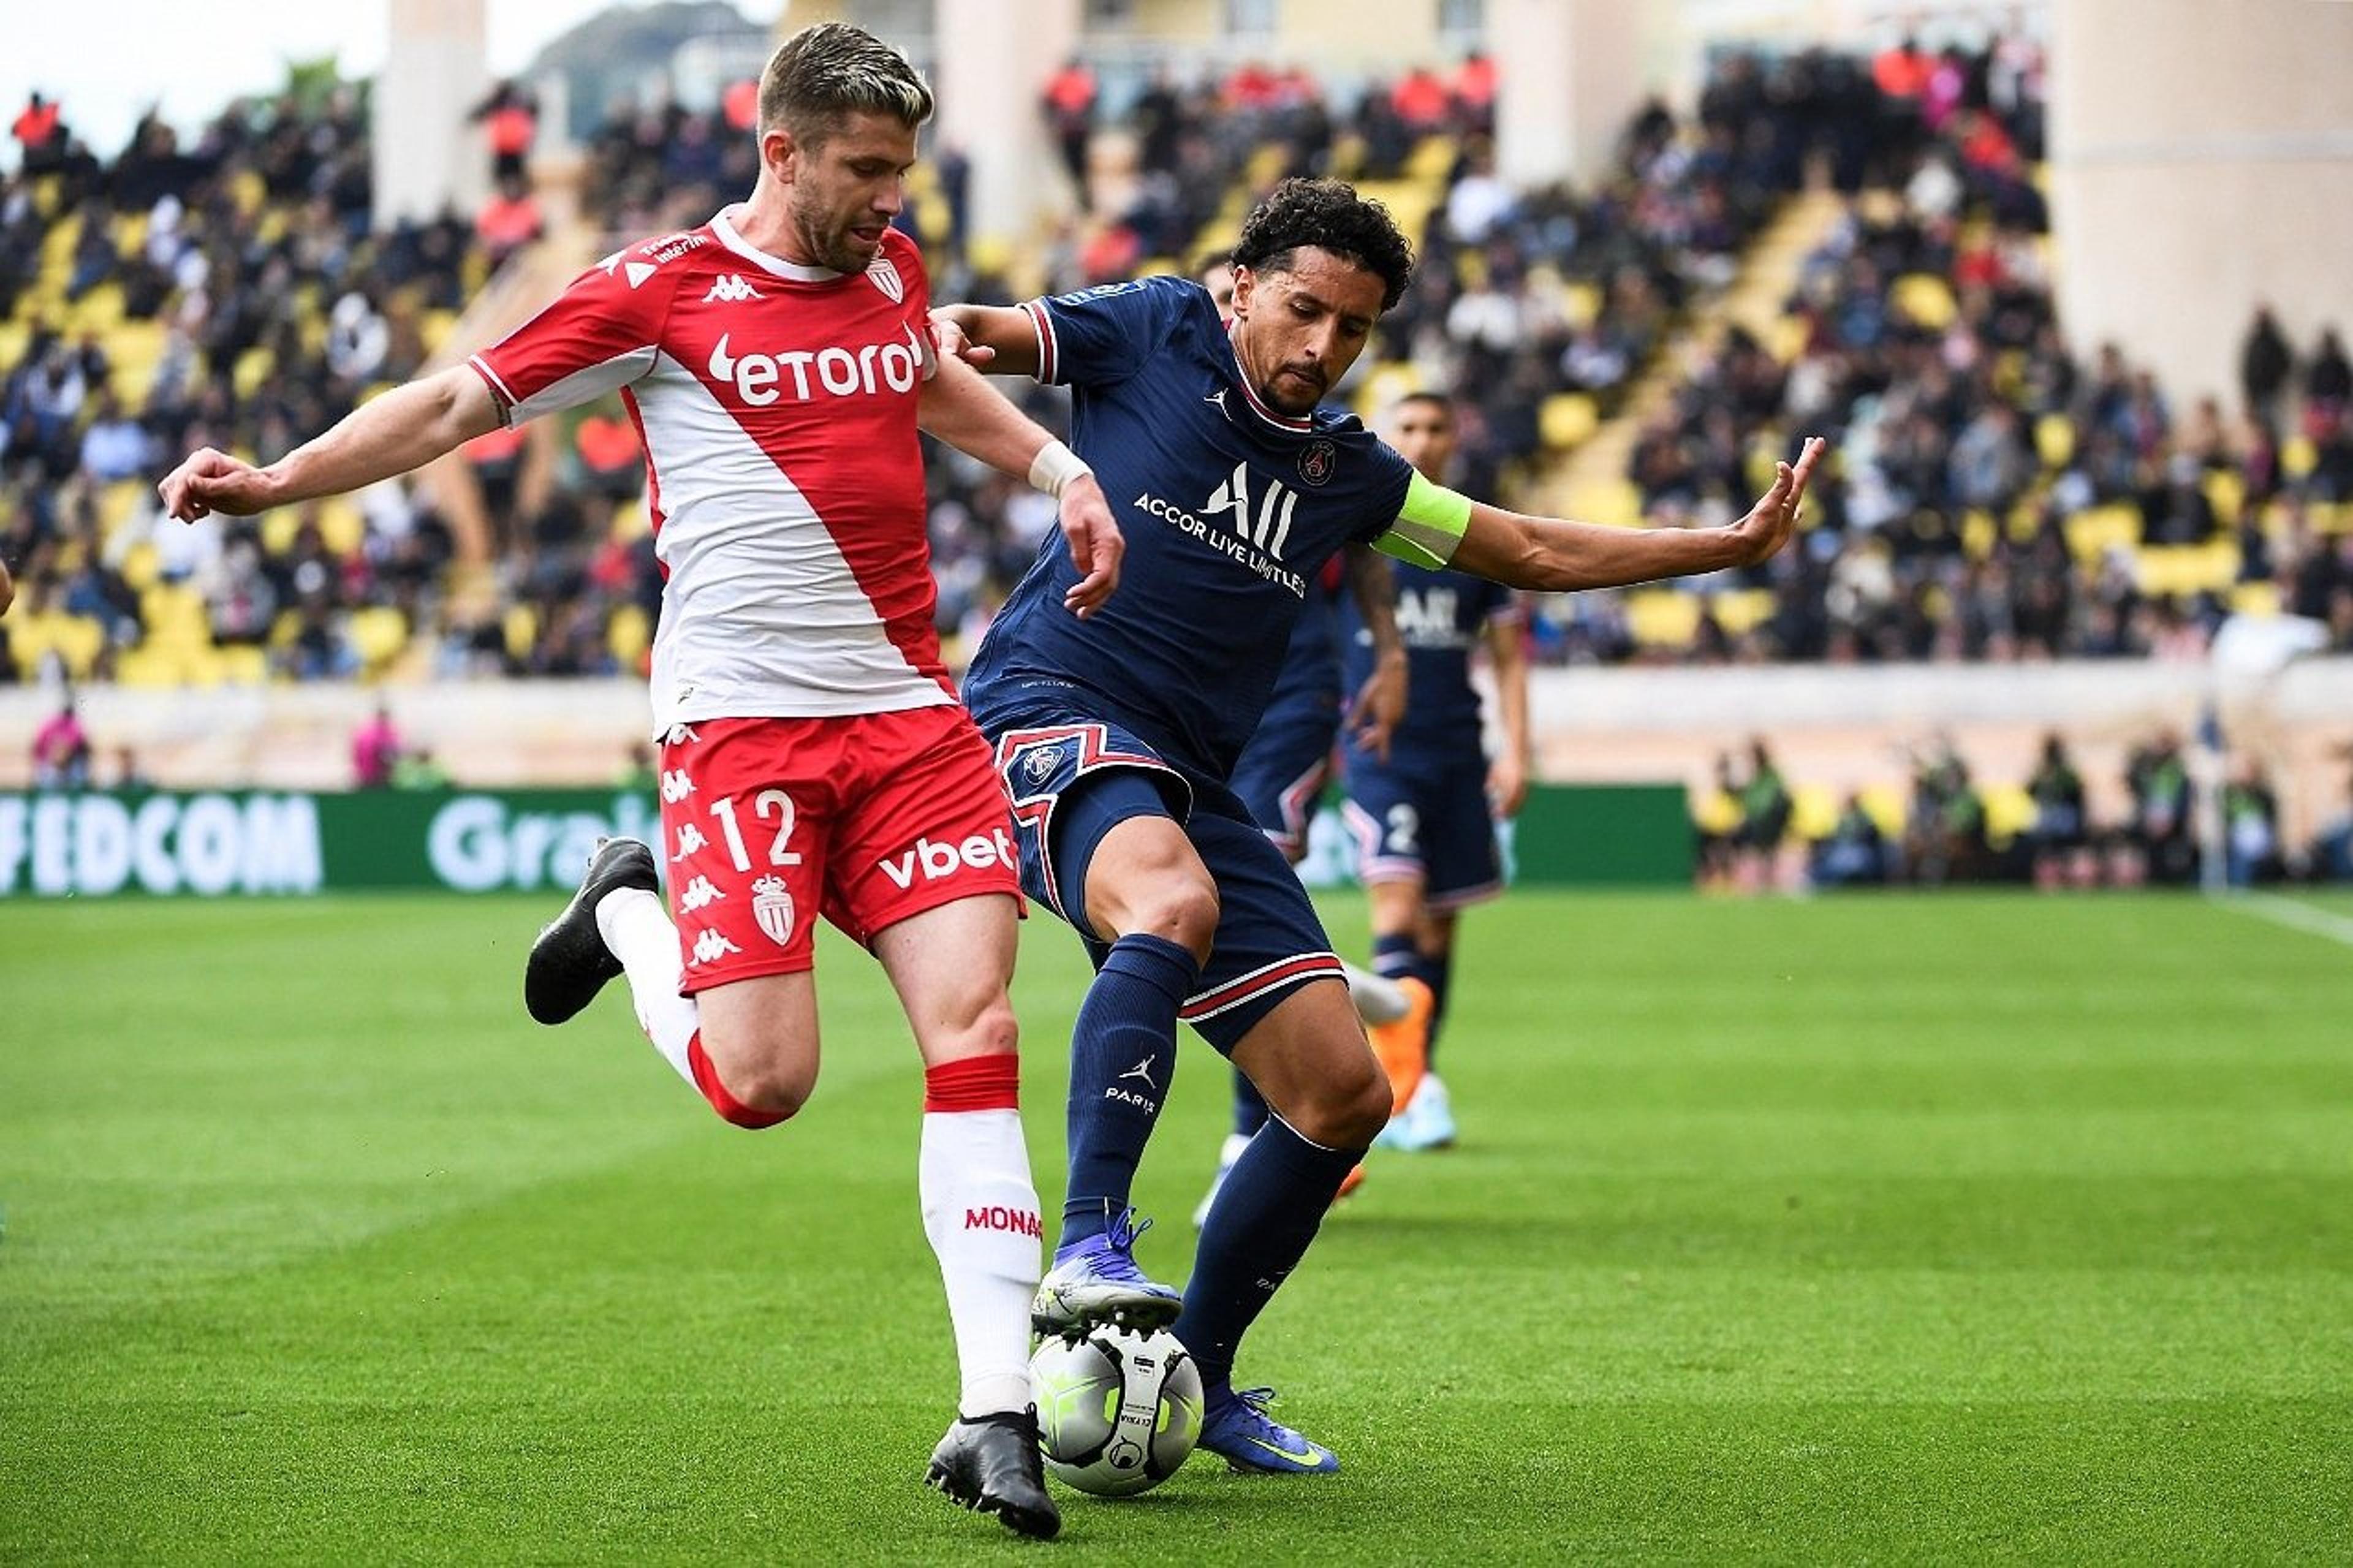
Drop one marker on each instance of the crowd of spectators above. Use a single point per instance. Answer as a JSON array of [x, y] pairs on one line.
[[243, 275], [1949, 828]]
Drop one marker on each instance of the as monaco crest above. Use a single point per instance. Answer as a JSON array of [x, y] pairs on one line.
[[772, 906], [886, 277]]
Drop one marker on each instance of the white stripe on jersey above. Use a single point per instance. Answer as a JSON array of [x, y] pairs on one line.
[[762, 616]]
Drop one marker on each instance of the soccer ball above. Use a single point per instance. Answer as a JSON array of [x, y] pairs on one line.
[[1117, 1411]]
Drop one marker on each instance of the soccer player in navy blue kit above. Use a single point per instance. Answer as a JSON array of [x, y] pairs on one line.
[[1116, 735], [1423, 809]]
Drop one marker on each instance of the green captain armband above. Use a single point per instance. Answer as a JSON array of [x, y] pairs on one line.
[[1428, 527]]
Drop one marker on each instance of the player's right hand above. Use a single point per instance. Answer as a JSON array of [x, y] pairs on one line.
[[1096, 545], [211, 481]]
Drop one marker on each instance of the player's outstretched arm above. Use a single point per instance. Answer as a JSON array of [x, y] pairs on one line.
[[7, 589], [405, 428], [1554, 555], [1507, 775], [958, 406], [997, 339]]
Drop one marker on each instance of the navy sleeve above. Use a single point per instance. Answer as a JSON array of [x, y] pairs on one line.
[[1385, 493], [1103, 334]]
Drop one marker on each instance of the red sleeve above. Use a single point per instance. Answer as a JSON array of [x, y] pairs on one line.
[[600, 334], [906, 258]]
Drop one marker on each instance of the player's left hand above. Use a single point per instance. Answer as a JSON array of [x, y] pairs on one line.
[[950, 342], [1097, 546], [1379, 706], [1507, 785], [1768, 525]]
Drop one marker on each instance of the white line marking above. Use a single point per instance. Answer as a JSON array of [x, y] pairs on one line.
[[2290, 913]]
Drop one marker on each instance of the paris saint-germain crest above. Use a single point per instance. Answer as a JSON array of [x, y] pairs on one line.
[[772, 906], [1316, 461], [886, 277], [1041, 763]]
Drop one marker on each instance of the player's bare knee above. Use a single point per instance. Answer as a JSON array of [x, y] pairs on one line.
[[1183, 909], [756, 1083]]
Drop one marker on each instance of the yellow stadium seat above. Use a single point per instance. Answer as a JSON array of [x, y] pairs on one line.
[[521, 627], [1617, 502], [2009, 812], [341, 525], [1813, 812], [1789, 337], [2329, 519], [253, 367], [1886, 806], [140, 568], [1742, 610], [2299, 456], [242, 664], [2055, 441], [77, 640], [2261, 600], [1977, 534], [2093, 532], [379, 634], [279, 526], [1581, 301], [2226, 492], [2175, 569], [1925, 299], [1568, 419], [1663, 617], [147, 666], [1715, 810], [630, 520], [628, 635]]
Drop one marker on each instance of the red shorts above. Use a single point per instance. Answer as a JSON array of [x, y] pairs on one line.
[[867, 820]]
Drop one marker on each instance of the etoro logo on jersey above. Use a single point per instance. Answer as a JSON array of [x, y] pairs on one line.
[[760, 379], [1253, 534]]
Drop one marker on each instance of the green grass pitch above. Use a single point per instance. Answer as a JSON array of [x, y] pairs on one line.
[[1913, 1229]]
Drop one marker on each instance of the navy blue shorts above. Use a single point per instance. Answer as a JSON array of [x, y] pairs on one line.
[[1281, 774], [1073, 777], [1425, 818]]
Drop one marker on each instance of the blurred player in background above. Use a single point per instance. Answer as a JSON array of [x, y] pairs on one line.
[[1117, 735], [813, 759], [1423, 809]]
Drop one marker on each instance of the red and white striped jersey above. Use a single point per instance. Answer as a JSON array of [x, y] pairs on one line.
[[777, 402]]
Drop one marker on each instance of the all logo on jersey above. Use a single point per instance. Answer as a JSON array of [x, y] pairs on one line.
[[886, 277], [731, 288], [1251, 526], [1317, 461], [1271, 530]]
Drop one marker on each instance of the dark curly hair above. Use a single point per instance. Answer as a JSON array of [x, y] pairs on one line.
[[1329, 216]]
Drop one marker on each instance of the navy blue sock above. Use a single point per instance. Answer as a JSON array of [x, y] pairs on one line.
[[1266, 1213], [1437, 970], [1122, 1054], [1395, 957], [1250, 1106]]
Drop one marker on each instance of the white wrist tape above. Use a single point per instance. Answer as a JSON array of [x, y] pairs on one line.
[[1055, 465]]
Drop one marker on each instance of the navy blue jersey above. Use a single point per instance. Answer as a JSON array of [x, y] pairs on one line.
[[1311, 665], [1229, 510], [1439, 618]]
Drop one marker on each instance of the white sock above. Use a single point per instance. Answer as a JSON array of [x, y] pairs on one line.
[[980, 1211], [636, 930]]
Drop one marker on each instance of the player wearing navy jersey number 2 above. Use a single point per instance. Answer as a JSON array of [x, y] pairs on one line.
[[1422, 811], [1117, 735], [815, 760]]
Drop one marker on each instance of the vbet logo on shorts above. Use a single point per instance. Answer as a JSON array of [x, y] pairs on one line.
[[932, 862]]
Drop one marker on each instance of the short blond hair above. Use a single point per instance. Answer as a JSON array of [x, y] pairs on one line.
[[823, 74]]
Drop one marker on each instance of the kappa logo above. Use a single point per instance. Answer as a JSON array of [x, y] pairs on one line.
[[933, 861], [675, 785], [697, 894], [689, 840], [886, 277], [710, 946], [731, 290], [772, 906]]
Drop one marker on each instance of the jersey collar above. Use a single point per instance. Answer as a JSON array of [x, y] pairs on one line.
[[1282, 422], [723, 226]]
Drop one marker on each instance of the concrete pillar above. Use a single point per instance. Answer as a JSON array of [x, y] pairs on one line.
[[427, 154], [993, 59], [2201, 161], [1570, 75]]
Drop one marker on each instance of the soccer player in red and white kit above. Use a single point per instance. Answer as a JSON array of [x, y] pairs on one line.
[[814, 759]]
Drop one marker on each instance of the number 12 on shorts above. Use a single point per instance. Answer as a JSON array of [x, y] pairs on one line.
[[768, 803]]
